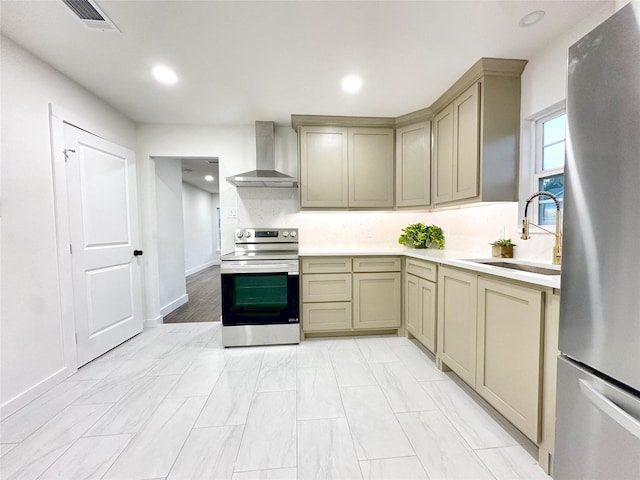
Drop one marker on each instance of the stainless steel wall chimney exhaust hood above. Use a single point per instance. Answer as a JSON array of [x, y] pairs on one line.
[[265, 174]]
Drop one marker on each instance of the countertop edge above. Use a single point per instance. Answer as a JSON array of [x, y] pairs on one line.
[[450, 258]]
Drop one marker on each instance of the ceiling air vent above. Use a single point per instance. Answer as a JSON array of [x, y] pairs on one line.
[[90, 15]]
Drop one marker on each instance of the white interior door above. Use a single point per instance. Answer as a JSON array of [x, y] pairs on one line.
[[103, 224]]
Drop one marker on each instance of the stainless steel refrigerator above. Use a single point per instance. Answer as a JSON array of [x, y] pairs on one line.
[[598, 403]]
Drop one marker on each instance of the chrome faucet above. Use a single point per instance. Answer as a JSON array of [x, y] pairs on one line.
[[557, 246]]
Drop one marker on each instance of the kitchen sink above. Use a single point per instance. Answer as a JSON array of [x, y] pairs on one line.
[[519, 266]]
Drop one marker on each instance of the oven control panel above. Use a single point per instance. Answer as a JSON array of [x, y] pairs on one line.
[[266, 235]]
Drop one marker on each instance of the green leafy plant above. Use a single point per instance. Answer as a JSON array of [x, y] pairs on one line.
[[503, 242], [419, 235]]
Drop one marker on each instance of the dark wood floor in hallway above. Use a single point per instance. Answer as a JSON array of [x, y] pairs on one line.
[[204, 303]]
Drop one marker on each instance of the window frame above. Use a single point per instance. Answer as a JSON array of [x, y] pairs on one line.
[[536, 171]]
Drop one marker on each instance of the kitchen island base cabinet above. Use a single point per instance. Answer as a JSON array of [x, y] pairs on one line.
[[509, 351], [457, 317]]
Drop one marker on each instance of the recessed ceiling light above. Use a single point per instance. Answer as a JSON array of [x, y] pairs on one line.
[[164, 74], [351, 83], [208, 178], [532, 18]]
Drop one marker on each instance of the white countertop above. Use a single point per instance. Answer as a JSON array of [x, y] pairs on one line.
[[451, 258]]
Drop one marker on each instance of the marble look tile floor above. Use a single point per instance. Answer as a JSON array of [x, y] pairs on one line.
[[171, 403]]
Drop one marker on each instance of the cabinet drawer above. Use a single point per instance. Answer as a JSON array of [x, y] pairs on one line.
[[376, 264], [329, 287], [422, 269], [326, 264], [320, 317]]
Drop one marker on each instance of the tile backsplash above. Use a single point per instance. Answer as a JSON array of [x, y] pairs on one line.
[[470, 229]]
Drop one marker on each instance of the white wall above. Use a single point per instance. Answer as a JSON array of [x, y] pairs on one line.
[[200, 228], [32, 353], [170, 234]]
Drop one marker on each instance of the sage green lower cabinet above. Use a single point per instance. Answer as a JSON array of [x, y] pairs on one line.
[[376, 300], [509, 351], [457, 318], [491, 333], [420, 301], [345, 294], [326, 317]]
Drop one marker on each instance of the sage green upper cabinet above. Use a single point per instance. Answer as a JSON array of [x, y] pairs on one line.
[[476, 135], [413, 165], [457, 154], [371, 167], [324, 167], [443, 156], [344, 167], [466, 144], [471, 156]]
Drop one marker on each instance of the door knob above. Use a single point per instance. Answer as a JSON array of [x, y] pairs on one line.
[[137, 253]]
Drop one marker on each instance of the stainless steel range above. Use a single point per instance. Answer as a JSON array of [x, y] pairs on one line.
[[260, 288]]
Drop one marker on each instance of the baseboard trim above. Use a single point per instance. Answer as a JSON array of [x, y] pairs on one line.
[[22, 399], [170, 307], [152, 322], [199, 268]]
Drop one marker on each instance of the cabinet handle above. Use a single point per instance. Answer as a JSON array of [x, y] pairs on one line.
[[137, 253], [622, 418]]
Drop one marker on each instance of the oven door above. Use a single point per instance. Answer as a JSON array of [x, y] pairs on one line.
[[264, 298]]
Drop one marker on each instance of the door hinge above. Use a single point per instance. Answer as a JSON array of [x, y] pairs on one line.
[[66, 153], [70, 249], [76, 335]]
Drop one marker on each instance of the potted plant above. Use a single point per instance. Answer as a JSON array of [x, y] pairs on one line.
[[419, 235], [502, 248]]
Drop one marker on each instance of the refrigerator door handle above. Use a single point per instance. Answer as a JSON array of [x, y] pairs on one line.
[[622, 418]]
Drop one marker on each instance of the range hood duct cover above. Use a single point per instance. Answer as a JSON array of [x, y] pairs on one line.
[[265, 174]]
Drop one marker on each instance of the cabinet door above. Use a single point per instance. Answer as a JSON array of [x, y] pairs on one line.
[[412, 304], [466, 146], [443, 156], [370, 167], [427, 327], [413, 165], [376, 300], [509, 351], [457, 314], [323, 167]]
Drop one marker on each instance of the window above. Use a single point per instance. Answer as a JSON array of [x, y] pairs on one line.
[[549, 165]]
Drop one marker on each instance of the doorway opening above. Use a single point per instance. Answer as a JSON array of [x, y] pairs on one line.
[[188, 235]]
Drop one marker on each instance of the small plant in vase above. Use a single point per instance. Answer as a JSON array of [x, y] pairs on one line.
[[502, 248]]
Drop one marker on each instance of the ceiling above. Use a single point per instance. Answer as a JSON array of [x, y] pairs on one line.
[[195, 169], [240, 61]]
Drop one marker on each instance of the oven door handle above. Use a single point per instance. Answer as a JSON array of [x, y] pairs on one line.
[[271, 268]]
